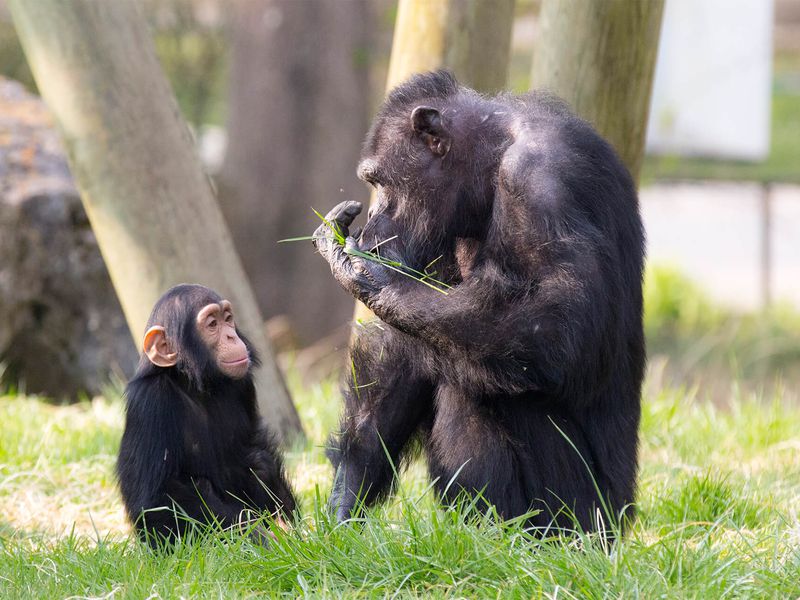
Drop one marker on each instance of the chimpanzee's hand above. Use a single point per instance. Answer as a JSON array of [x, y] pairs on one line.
[[261, 536], [343, 501], [249, 524], [340, 217], [362, 278]]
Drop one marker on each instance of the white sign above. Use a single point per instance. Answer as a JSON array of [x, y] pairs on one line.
[[713, 80]]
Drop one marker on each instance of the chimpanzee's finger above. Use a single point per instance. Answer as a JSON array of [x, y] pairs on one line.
[[341, 265], [367, 277], [321, 234], [350, 244], [344, 213], [329, 250]]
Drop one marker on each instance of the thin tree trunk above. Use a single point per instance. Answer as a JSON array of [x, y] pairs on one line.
[[149, 203], [472, 38], [599, 55], [298, 108]]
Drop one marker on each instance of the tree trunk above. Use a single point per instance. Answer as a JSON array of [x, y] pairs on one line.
[[149, 203], [298, 111], [472, 38], [599, 55]]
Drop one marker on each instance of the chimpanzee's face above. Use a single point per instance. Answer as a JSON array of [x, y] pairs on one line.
[[407, 161], [192, 329], [217, 330]]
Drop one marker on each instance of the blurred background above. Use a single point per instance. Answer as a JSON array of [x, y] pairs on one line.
[[279, 95]]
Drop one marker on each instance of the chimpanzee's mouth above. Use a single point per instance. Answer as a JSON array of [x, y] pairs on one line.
[[236, 361]]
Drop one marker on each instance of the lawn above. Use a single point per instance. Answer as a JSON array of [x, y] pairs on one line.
[[718, 505]]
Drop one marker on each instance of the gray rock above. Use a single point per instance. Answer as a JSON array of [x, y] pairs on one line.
[[62, 331]]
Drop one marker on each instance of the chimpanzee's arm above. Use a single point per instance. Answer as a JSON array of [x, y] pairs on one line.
[[505, 328], [388, 397], [268, 488], [150, 452], [497, 333]]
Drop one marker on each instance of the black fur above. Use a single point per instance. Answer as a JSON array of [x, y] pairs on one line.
[[193, 444], [535, 224]]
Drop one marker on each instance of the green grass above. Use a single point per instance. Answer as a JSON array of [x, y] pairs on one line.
[[718, 501], [692, 341]]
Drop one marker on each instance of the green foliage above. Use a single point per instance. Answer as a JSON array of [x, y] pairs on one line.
[[674, 305], [196, 62], [706, 344]]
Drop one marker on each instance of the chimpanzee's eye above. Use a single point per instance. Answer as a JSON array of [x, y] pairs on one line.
[[212, 324], [229, 318]]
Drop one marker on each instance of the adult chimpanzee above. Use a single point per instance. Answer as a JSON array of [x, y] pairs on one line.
[[523, 381], [193, 444]]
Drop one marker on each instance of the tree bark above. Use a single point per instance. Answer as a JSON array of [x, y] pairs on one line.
[[472, 38], [298, 111], [150, 205], [599, 55]]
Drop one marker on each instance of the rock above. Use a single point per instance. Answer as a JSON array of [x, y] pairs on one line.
[[63, 331]]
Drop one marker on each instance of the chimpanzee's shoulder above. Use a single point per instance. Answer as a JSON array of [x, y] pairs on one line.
[[536, 153]]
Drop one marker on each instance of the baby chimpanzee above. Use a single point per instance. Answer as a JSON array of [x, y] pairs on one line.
[[193, 448]]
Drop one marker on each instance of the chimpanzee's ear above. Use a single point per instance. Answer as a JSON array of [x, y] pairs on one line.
[[157, 349], [427, 122]]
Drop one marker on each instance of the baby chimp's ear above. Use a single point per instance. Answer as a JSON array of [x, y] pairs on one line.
[[156, 347]]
